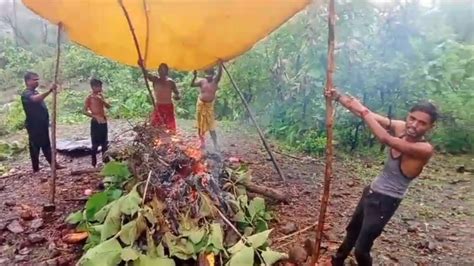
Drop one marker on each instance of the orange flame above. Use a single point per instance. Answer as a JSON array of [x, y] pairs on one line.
[[199, 168], [158, 142], [193, 153]]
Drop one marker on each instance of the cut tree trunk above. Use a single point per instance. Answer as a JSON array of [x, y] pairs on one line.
[[265, 191]]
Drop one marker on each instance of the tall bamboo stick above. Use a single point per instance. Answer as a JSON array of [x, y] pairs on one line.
[[329, 131]]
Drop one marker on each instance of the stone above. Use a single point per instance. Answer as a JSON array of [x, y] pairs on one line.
[[36, 238], [24, 251], [10, 203], [36, 223], [15, 227], [289, 228], [27, 215], [20, 258]]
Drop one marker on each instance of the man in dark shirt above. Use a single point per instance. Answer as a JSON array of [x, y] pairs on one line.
[[37, 119]]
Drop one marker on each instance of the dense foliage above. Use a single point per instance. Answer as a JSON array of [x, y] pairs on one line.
[[389, 58]]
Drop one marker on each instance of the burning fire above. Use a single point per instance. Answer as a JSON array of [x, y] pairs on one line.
[[157, 143], [196, 154]]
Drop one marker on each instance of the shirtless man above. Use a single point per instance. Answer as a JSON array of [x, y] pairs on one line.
[[205, 104], [163, 87], [94, 108], [408, 154]]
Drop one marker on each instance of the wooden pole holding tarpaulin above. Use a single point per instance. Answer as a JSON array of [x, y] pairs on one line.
[[137, 46], [328, 173], [52, 192], [252, 117]]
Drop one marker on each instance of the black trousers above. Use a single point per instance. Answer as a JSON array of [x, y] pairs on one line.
[[38, 138], [372, 213], [99, 137]]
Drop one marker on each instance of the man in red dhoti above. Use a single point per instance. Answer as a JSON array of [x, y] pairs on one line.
[[163, 87]]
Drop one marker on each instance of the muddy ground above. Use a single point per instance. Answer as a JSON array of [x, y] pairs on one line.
[[433, 226]]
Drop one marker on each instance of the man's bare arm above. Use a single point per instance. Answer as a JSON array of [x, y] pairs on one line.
[[85, 109], [175, 90], [420, 150], [149, 76], [195, 83], [356, 107], [219, 73], [42, 96]]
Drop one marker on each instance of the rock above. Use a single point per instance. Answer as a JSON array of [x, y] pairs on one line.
[[9, 203], [36, 238], [440, 238], [52, 246], [3, 225], [289, 228], [15, 227], [3, 261], [460, 169], [20, 258], [2, 187], [52, 262], [2, 240], [431, 246], [297, 255], [27, 215], [350, 184], [412, 227], [43, 179], [24, 251], [36, 223]]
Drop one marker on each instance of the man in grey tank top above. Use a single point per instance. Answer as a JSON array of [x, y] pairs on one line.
[[408, 154]]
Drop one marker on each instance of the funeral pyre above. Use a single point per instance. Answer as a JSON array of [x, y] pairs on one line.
[[170, 203]]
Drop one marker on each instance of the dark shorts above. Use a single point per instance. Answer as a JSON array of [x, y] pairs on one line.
[[99, 132]]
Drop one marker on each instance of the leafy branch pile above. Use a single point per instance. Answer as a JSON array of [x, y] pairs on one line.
[[180, 207]]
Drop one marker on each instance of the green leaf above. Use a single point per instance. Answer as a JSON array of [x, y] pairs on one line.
[[114, 194], [256, 206], [216, 237], [94, 204], [243, 199], [244, 178], [148, 213], [129, 233], [259, 239], [112, 221], [129, 253], [196, 235], [116, 169], [244, 257], [270, 257], [104, 254], [129, 204], [144, 260], [237, 247], [206, 207], [239, 217], [261, 225], [102, 213], [160, 250], [74, 217]]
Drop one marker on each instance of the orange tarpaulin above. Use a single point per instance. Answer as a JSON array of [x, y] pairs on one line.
[[185, 34]]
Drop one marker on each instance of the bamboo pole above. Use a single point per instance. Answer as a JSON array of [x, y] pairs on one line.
[[329, 131], [252, 117], [52, 192], [137, 46]]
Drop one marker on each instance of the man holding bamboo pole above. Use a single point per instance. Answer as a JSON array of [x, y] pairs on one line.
[[408, 154]]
